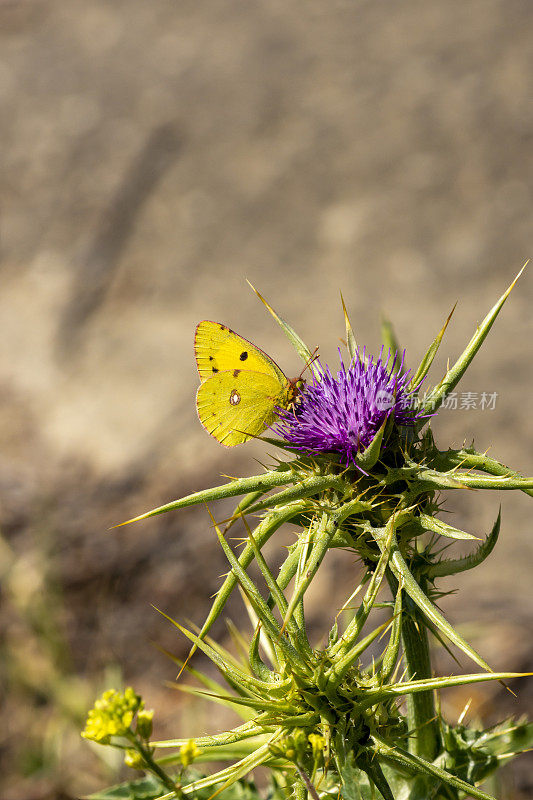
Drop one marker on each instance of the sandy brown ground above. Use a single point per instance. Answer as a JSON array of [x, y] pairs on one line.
[[154, 154]]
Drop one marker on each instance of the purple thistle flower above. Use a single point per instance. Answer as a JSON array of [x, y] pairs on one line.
[[343, 414]]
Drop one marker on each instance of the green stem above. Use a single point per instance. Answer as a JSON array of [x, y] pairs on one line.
[[421, 711], [153, 766], [308, 784]]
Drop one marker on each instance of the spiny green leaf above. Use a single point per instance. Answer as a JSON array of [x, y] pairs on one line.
[[431, 352], [472, 481], [247, 731], [391, 653], [259, 668], [262, 483], [262, 704], [350, 338], [390, 342], [262, 534], [205, 680], [233, 773], [312, 485], [451, 566], [373, 769], [420, 479], [455, 373], [420, 765], [324, 533], [469, 458], [260, 607], [356, 625], [226, 668], [264, 638], [368, 458], [343, 662], [307, 720], [401, 570], [430, 523], [242, 709], [405, 688], [508, 737], [277, 595], [298, 343], [474, 755], [231, 752]]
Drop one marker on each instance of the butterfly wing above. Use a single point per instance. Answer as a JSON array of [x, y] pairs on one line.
[[219, 349], [234, 406]]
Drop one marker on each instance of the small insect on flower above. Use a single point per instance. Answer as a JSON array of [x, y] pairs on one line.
[[342, 414], [241, 385]]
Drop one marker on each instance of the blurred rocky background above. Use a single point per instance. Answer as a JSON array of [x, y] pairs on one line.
[[156, 154]]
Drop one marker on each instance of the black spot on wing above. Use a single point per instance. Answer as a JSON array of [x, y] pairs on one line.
[[214, 369], [243, 356], [236, 372]]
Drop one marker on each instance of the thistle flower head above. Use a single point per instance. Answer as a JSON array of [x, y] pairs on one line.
[[343, 413]]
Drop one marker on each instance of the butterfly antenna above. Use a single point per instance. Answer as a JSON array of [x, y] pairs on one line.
[[314, 356]]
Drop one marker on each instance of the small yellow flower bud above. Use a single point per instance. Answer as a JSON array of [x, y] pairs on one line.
[[189, 752], [144, 723], [133, 759], [317, 743]]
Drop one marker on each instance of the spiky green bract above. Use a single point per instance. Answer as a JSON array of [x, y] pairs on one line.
[[456, 372], [354, 717]]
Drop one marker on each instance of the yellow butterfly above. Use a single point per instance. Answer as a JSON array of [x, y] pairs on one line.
[[241, 386]]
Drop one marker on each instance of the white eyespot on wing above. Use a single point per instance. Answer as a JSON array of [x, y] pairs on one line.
[[232, 415]]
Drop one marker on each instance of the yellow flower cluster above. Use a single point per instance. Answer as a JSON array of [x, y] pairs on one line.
[[112, 715]]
